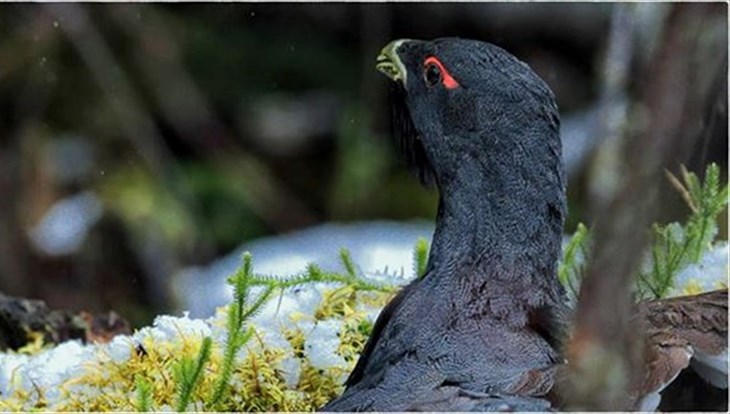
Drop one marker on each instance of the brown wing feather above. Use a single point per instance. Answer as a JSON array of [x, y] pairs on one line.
[[699, 319], [676, 328]]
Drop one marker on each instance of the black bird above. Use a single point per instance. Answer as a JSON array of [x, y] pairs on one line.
[[479, 330]]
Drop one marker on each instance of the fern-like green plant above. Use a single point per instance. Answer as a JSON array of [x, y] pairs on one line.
[[188, 372], [676, 246], [572, 266], [143, 394], [347, 262], [706, 201], [237, 337], [420, 257]]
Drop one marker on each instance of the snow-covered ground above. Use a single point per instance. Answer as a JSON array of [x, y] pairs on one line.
[[709, 274], [54, 370], [374, 246]]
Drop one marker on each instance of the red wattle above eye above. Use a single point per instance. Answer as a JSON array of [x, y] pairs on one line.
[[448, 81]]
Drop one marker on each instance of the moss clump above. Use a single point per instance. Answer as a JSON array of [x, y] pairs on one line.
[[226, 363]]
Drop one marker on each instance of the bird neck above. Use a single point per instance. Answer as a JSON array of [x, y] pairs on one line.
[[500, 221]]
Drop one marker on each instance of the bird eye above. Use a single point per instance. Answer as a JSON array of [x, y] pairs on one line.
[[432, 74]]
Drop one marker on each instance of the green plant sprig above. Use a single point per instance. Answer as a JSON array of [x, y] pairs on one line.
[[314, 273], [420, 257], [676, 246], [143, 394], [237, 337], [187, 373], [572, 266]]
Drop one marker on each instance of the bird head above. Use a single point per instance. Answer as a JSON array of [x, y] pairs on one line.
[[458, 100]]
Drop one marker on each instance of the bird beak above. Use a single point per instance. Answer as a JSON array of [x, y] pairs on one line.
[[390, 64]]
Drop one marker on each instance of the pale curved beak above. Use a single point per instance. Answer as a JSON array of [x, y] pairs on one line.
[[390, 64]]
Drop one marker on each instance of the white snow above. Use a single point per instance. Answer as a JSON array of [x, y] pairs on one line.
[[45, 371], [291, 369], [321, 342], [709, 274], [120, 348], [167, 328], [10, 366]]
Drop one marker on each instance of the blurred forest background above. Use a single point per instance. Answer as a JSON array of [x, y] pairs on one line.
[[138, 139]]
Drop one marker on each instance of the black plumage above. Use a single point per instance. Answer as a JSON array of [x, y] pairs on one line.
[[481, 330], [478, 331]]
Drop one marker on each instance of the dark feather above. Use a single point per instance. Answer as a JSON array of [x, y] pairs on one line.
[[357, 373], [410, 143]]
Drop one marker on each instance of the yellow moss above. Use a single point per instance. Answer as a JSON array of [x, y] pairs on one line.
[[353, 336], [36, 343], [296, 340], [257, 382], [692, 287], [336, 302], [356, 327], [375, 299], [341, 302], [319, 386]]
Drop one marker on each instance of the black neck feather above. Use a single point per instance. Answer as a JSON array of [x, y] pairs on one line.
[[499, 230], [410, 143]]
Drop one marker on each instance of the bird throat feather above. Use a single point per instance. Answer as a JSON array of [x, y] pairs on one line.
[[410, 143]]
